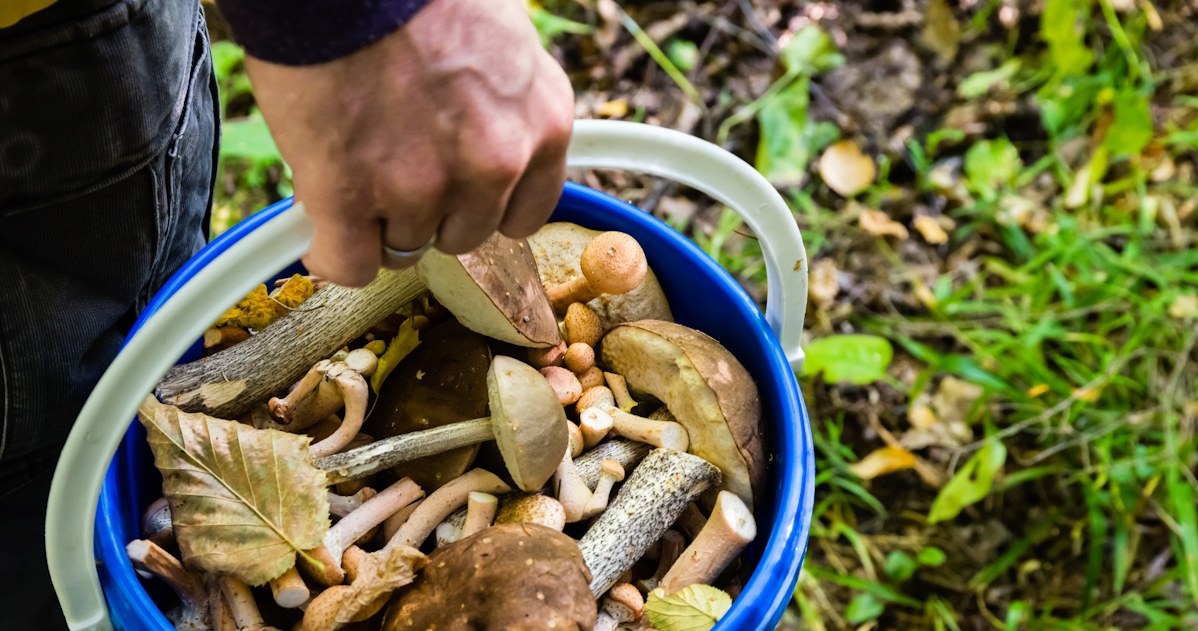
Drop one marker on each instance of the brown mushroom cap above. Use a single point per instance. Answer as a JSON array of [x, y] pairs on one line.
[[511, 576], [558, 248], [528, 421], [613, 263], [494, 290], [704, 386], [443, 381]]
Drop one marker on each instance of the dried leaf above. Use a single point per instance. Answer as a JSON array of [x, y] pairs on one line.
[[405, 341], [882, 461], [880, 224], [258, 309], [931, 229], [693, 608], [379, 574], [244, 501], [941, 31], [845, 169], [822, 287], [954, 398]]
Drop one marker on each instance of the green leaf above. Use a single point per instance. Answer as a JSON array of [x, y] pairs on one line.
[[550, 26], [971, 484], [788, 139], [247, 138], [856, 359], [243, 501], [900, 566], [1131, 130], [684, 53], [979, 83], [810, 51], [1063, 28], [863, 608], [990, 164], [932, 556], [694, 608], [226, 56]]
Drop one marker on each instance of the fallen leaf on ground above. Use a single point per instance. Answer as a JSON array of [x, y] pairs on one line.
[[822, 286], [845, 169], [883, 461], [954, 398], [244, 501], [931, 229], [880, 224]]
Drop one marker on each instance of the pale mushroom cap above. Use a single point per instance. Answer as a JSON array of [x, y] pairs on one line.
[[704, 386], [612, 469], [528, 421], [613, 263], [595, 396], [558, 246], [564, 383], [532, 509]]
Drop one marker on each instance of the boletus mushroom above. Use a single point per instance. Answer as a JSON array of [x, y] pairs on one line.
[[704, 386], [527, 423], [558, 248], [511, 576], [495, 290]]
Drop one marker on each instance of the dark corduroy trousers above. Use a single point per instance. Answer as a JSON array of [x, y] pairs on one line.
[[108, 128]]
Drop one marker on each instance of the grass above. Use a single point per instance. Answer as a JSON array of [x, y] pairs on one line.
[[1044, 366]]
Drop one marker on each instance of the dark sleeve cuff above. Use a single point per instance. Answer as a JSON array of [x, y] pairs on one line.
[[303, 32]]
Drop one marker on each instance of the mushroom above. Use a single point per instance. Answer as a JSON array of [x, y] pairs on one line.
[[441, 382], [623, 603], [628, 453], [289, 590], [577, 444], [543, 357], [440, 503], [581, 325], [649, 501], [527, 423], [510, 576], [320, 393], [594, 427], [666, 434], [564, 383], [494, 290], [192, 612], [532, 508], [730, 528], [342, 505], [156, 524], [323, 564], [480, 511], [619, 389], [704, 386], [669, 548], [392, 524], [240, 601], [590, 378], [579, 357], [610, 472], [612, 263], [570, 490]]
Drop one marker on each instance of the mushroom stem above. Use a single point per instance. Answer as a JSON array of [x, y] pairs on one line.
[[440, 503], [610, 473], [570, 490], [626, 452], [311, 400], [356, 394], [150, 557], [392, 524], [612, 263], [388, 452], [218, 609], [241, 603], [619, 389], [730, 528], [342, 505], [480, 511], [346, 531], [290, 590], [352, 562], [669, 549], [667, 434], [446, 533], [577, 442], [648, 502], [691, 521], [156, 524], [595, 424]]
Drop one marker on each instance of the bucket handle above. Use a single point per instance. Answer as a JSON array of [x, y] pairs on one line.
[[280, 241]]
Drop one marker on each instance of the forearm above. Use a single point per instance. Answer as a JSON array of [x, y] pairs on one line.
[[303, 32]]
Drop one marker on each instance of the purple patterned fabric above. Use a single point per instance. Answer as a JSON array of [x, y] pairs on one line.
[[304, 32]]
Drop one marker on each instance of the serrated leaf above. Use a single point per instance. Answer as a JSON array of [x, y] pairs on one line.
[[244, 501], [693, 608], [856, 359], [405, 341]]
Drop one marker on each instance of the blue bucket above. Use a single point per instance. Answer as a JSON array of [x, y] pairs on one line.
[[702, 295]]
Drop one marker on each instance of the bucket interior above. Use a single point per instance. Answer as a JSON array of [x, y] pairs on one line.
[[702, 295]]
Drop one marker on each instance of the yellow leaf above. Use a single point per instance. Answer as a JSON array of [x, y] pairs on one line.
[[297, 289], [931, 230], [1089, 394], [612, 109], [882, 461], [845, 169], [880, 224], [405, 341], [1037, 390], [258, 309]]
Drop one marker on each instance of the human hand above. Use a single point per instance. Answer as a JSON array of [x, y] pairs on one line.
[[453, 127]]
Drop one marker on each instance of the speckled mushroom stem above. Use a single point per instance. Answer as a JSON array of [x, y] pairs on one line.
[[241, 603], [388, 452], [342, 505], [730, 528], [150, 557], [440, 503], [626, 452], [648, 503], [392, 524]]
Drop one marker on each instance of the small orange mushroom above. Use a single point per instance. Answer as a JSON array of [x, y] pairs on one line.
[[612, 263]]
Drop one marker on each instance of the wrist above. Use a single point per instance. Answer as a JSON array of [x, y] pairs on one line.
[[307, 32]]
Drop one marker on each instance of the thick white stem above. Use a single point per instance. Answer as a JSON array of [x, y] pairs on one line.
[[480, 511], [665, 434], [290, 590], [730, 528]]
